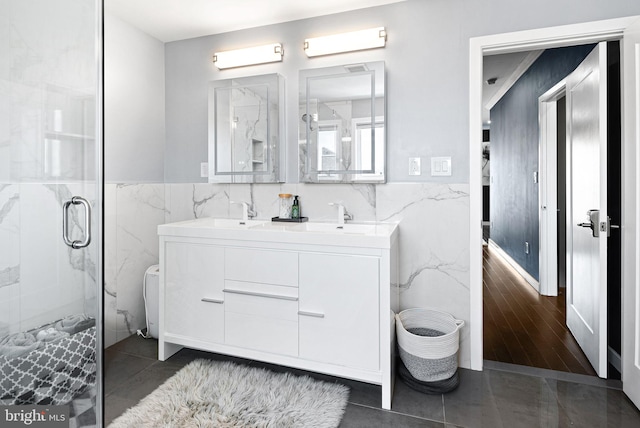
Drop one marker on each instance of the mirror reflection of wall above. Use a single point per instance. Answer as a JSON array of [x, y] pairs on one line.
[[342, 129], [245, 128]]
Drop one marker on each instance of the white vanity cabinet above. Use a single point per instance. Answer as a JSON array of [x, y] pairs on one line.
[[318, 301]]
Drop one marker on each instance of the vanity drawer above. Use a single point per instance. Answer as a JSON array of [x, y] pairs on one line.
[[261, 317], [260, 266]]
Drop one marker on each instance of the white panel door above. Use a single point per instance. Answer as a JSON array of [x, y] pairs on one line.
[[587, 183], [631, 215]]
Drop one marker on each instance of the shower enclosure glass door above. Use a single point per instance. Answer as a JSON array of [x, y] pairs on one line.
[[51, 207]]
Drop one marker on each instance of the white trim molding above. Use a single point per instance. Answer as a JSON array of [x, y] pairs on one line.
[[548, 188]]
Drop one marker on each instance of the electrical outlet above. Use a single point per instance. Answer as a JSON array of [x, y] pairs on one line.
[[204, 169], [414, 166]]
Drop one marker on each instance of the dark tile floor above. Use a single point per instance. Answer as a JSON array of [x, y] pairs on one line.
[[502, 395]]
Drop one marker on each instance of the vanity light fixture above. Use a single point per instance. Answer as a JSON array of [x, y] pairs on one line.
[[249, 56], [346, 42]]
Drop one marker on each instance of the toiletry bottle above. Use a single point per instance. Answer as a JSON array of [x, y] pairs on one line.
[[295, 208]]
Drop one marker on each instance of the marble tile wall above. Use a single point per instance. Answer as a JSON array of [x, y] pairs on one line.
[[132, 214]]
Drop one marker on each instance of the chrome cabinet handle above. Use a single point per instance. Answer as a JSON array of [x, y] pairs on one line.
[[76, 200], [253, 293], [208, 300], [311, 314]]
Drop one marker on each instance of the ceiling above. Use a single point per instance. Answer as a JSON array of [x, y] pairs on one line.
[[170, 20], [506, 69]]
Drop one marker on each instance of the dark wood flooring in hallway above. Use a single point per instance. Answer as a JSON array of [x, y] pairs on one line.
[[522, 327]]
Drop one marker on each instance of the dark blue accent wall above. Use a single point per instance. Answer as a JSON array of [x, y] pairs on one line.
[[514, 155]]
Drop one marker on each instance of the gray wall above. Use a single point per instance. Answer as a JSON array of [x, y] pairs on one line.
[[514, 155], [427, 74], [134, 104]]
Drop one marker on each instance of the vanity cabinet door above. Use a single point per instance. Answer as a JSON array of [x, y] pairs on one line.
[[194, 301], [339, 310]]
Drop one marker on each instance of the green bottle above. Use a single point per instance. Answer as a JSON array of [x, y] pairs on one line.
[[295, 208]]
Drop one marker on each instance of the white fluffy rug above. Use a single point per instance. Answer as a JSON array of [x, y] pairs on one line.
[[223, 394]]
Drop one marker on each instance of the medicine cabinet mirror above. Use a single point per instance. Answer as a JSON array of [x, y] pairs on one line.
[[342, 124], [246, 130]]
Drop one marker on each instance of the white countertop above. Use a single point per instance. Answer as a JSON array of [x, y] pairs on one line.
[[372, 235]]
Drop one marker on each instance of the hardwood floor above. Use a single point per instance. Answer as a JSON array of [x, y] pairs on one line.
[[521, 326]]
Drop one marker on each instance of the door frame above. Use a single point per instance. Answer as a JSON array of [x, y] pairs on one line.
[[548, 188], [545, 38]]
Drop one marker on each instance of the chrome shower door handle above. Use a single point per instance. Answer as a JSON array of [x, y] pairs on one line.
[[76, 200]]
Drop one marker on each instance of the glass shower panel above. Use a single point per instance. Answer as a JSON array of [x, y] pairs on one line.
[[50, 174]]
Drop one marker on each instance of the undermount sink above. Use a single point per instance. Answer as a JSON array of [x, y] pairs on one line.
[[350, 228], [230, 223]]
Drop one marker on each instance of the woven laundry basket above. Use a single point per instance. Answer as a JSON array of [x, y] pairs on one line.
[[428, 341]]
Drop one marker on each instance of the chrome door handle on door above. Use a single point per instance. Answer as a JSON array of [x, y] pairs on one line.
[[594, 220], [76, 200]]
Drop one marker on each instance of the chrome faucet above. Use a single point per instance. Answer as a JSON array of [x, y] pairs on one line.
[[247, 212], [343, 214]]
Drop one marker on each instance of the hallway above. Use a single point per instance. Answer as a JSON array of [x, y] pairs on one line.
[[522, 327]]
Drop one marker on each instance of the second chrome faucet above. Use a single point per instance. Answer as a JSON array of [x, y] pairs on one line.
[[247, 212], [343, 214]]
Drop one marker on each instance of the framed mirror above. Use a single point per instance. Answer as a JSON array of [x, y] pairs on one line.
[[342, 124], [246, 130]]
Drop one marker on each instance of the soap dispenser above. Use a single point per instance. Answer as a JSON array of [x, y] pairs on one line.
[[295, 208]]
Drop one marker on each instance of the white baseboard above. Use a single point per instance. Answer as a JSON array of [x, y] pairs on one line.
[[527, 277]]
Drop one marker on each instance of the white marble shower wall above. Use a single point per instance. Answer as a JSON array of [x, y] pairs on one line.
[[132, 214], [434, 229], [41, 279]]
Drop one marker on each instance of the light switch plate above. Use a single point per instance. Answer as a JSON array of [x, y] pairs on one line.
[[414, 166], [204, 169], [441, 166]]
